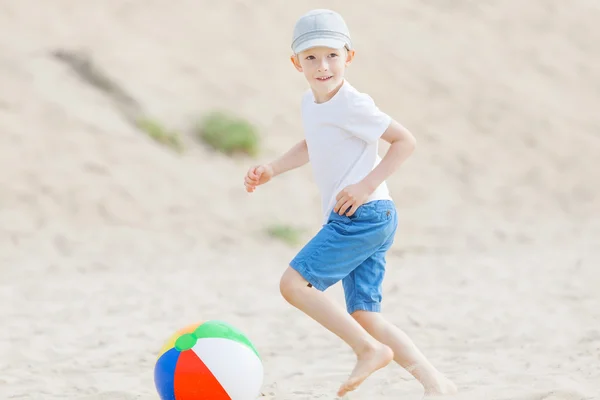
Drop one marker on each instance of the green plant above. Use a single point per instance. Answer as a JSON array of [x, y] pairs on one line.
[[160, 134], [229, 134], [285, 233]]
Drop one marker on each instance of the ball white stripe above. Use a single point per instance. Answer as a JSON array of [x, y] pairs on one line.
[[234, 365]]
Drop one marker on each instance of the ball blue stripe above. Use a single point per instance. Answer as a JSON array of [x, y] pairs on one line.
[[164, 374]]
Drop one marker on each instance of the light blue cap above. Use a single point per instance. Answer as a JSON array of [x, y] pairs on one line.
[[320, 27]]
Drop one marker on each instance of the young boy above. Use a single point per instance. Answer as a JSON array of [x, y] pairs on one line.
[[342, 129]]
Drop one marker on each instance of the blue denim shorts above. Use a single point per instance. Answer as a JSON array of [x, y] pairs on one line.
[[351, 249]]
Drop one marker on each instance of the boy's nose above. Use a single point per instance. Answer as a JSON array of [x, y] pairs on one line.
[[323, 66]]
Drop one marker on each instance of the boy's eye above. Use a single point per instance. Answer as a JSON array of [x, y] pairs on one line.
[[333, 55], [310, 57]]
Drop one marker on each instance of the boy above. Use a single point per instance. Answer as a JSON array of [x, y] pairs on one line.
[[342, 128]]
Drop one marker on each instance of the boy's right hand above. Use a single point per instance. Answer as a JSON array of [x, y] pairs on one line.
[[258, 175]]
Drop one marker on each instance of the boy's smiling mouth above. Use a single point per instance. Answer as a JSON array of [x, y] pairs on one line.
[[324, 78]]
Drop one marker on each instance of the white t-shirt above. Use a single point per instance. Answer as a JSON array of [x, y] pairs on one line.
[[343, 135]]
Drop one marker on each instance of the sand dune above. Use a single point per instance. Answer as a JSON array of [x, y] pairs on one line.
[[109, 241]]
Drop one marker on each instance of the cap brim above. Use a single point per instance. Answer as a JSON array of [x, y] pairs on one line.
[[319, 42]]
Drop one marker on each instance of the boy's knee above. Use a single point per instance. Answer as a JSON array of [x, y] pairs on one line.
[[291, 284], [367, 319], [360, 316]]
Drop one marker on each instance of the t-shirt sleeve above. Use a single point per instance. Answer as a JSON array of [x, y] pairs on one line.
[[364, 119]]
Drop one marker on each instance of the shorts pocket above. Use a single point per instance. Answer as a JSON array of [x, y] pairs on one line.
[[333, 216], [357, 214]]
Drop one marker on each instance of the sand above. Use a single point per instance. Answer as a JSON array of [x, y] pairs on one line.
[[109, 242]]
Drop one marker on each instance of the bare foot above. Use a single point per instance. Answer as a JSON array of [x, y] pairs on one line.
[[367, 362], [443, 386]]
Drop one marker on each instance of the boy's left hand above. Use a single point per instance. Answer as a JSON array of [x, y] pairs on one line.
[[352, 197]]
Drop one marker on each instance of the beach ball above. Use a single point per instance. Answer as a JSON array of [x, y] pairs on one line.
[[208, 361]]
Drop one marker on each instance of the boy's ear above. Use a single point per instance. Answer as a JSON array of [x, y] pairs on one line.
[[349, 56], [296, 62]]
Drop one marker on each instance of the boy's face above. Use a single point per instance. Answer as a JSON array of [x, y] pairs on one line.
[[323, 67]]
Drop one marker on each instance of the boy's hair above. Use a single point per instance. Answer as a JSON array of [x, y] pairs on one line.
[[345, 49], [320, 27]]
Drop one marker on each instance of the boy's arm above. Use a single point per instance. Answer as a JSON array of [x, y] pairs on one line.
[[402, 145], [295, 157]]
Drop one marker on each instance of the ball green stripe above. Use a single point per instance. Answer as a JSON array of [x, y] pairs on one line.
[[220, 329], [185, 342]]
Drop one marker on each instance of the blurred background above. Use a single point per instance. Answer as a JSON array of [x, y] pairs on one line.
[[126, 128]]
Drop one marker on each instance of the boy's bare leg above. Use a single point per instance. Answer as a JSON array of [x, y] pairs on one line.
[[371, 354], [406, 353]]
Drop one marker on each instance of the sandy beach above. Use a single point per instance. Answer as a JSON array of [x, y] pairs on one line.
[[109, 242]]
